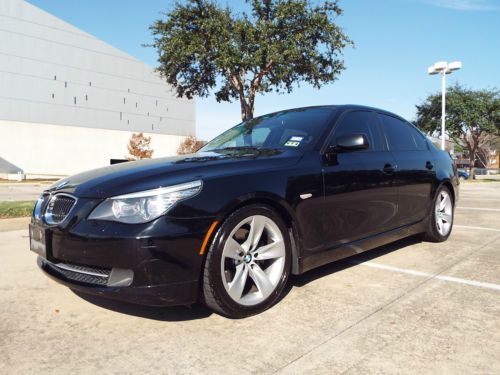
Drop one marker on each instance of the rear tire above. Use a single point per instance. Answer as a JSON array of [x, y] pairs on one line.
[[248, 263], [442, 216]]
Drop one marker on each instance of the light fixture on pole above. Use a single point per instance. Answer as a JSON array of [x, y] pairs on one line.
[[443, 68]]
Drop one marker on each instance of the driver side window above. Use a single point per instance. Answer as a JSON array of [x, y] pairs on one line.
[[359, 122]]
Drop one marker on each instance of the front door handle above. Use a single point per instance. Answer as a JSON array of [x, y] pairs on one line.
[[388, 168], [429, 165]]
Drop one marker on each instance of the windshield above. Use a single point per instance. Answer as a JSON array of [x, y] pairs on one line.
[[296, 129]]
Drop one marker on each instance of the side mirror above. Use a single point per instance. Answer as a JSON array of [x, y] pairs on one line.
[[351, 142]]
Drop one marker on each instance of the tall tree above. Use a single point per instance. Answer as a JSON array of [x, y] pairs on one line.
[[203, 47], [472, 117]]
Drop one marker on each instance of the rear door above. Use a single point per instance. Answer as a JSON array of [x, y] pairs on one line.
[[360, 196], [415, 168]]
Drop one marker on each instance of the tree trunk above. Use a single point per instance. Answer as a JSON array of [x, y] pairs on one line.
[[246, 109], [471, 149], [472, 162], [471, 169]]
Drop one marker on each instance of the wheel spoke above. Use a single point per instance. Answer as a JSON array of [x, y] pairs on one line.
[[239, 280], [261, 280], [443, 202], [233, 249], [270, 251], [446, 217], [256, 228], [442, 226]]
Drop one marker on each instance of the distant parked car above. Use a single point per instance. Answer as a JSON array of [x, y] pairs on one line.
[[275, 195], [463, 175]]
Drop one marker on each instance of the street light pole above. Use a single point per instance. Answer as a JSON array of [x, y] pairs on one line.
[[443, 109], [443, 68]]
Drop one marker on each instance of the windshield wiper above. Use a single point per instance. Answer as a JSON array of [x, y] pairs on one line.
[[236, 148]]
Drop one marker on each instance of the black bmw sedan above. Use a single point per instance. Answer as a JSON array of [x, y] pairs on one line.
[[276, 195]]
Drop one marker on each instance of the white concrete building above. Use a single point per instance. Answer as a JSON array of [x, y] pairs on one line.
[[70, 102]]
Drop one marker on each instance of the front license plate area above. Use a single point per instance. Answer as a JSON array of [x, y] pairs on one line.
[[38, 240]]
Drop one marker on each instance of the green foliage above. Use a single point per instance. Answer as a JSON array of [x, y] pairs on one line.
[[16, 209], [203, 47], [472, 117], [467, 112]]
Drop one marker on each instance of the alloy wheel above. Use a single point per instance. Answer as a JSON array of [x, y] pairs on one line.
[[253, 260], [444, 213]]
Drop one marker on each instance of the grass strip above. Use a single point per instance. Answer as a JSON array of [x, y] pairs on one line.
[[16, 209]]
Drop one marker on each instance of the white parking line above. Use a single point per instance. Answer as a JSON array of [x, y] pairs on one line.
[[459, 280], [478, 199], [479, 208], [476, 228]]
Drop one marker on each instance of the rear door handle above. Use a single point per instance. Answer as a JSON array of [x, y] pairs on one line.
[[429, 165], [388, 168]]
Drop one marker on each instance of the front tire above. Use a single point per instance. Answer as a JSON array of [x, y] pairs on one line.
[[248, 263], [441, 220]]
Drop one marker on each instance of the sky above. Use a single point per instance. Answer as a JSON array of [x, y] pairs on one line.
[[395, 42]]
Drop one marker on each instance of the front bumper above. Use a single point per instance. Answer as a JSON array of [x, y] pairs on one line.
[[181, 293], [156, 263]]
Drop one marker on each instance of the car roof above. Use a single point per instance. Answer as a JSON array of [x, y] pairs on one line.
[[342, 107]]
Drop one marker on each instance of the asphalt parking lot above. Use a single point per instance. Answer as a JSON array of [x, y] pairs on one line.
[[411, 307]]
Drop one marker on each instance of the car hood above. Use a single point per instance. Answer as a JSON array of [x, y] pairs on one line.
[[148, 174]]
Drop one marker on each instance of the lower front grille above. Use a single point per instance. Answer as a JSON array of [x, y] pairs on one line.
[[81, 274]]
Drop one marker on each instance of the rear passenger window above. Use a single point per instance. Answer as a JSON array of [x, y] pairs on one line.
[[359, 122], [419, 138], [398, 134]]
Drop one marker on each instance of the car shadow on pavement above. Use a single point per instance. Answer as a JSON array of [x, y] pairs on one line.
[[170, 313], [198, 311], [327, 269]]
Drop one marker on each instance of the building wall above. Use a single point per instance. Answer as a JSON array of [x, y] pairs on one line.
[[56, 80], [71, 148]]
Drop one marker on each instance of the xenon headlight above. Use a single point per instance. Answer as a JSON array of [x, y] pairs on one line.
[[144, 206]]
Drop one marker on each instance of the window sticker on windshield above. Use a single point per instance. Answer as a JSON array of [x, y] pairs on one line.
[[294, 141]]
